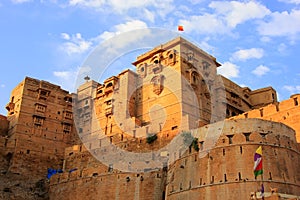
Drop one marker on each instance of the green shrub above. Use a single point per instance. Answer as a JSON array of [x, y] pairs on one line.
[[151, 138]]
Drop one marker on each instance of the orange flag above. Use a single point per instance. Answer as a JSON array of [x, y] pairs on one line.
[[180, 28]]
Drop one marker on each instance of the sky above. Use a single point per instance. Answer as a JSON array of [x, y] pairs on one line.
[[257, 42]]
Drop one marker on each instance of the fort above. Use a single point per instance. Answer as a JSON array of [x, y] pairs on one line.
[[173, 129]]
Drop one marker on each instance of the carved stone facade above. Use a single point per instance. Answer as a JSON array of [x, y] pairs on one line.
[[175, 90], [40, 128]]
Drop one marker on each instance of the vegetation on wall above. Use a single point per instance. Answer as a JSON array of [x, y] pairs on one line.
[[195, 144], [190, 141], [151, 138]]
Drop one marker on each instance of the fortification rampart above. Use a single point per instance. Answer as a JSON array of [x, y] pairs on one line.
[[228, 166], [100, 182], [287, 112]]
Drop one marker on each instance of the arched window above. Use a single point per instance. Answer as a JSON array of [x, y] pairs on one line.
[[109, 85], [194, 78]]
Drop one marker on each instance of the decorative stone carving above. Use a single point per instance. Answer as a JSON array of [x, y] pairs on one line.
[[157, 83], [142, 70]]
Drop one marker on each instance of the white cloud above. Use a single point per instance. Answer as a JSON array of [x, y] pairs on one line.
[[149, 15], [121, 28], [281, 24], [120, 6], [226, 17], [196, 1], [203, 24], [282, 48], [20, 1], [66, 79], [2, 86], [260, 70], [290, 1], [245, 54], [292, 89], [229, 70], [62, 74], [65, 36], [265, 39], [87, 3], [75, 45], [236, 12], [204, 45]]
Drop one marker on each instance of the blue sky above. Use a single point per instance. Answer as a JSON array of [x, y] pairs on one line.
[[256, 41]]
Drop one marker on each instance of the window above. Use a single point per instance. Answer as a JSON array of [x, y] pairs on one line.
[[277, 107], [212, 179], [261, 112], [68, 115], [110, 168], [195, 78], [247, 136], [227, 112], [270, 176], [68, 99], [230, 138], [205, 65], [263, 135], [66, 128], [38, 120], [109, 85], [43, 94], [109, 102], [296, 102], [201, 144], [40, 107]]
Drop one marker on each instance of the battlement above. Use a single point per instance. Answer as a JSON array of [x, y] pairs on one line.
[[287, 112], [225, 164]]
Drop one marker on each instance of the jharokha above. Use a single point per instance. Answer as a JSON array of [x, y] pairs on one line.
[[172, 129]]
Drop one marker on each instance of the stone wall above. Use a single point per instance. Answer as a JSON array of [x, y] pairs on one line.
[[40, 127], [94, 180], [287, 112], [227, 167], [3, 125]]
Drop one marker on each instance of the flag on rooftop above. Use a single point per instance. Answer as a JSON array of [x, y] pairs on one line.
[[180, 28], [258, 170]]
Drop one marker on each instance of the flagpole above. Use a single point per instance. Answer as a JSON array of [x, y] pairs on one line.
[[262, 175]]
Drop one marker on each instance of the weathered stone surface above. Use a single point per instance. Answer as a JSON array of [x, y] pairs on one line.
[[175, 89]]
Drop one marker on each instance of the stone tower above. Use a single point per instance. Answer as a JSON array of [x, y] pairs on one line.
[[40, 127]]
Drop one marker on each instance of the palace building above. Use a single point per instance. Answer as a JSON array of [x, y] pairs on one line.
[[172, 129]]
